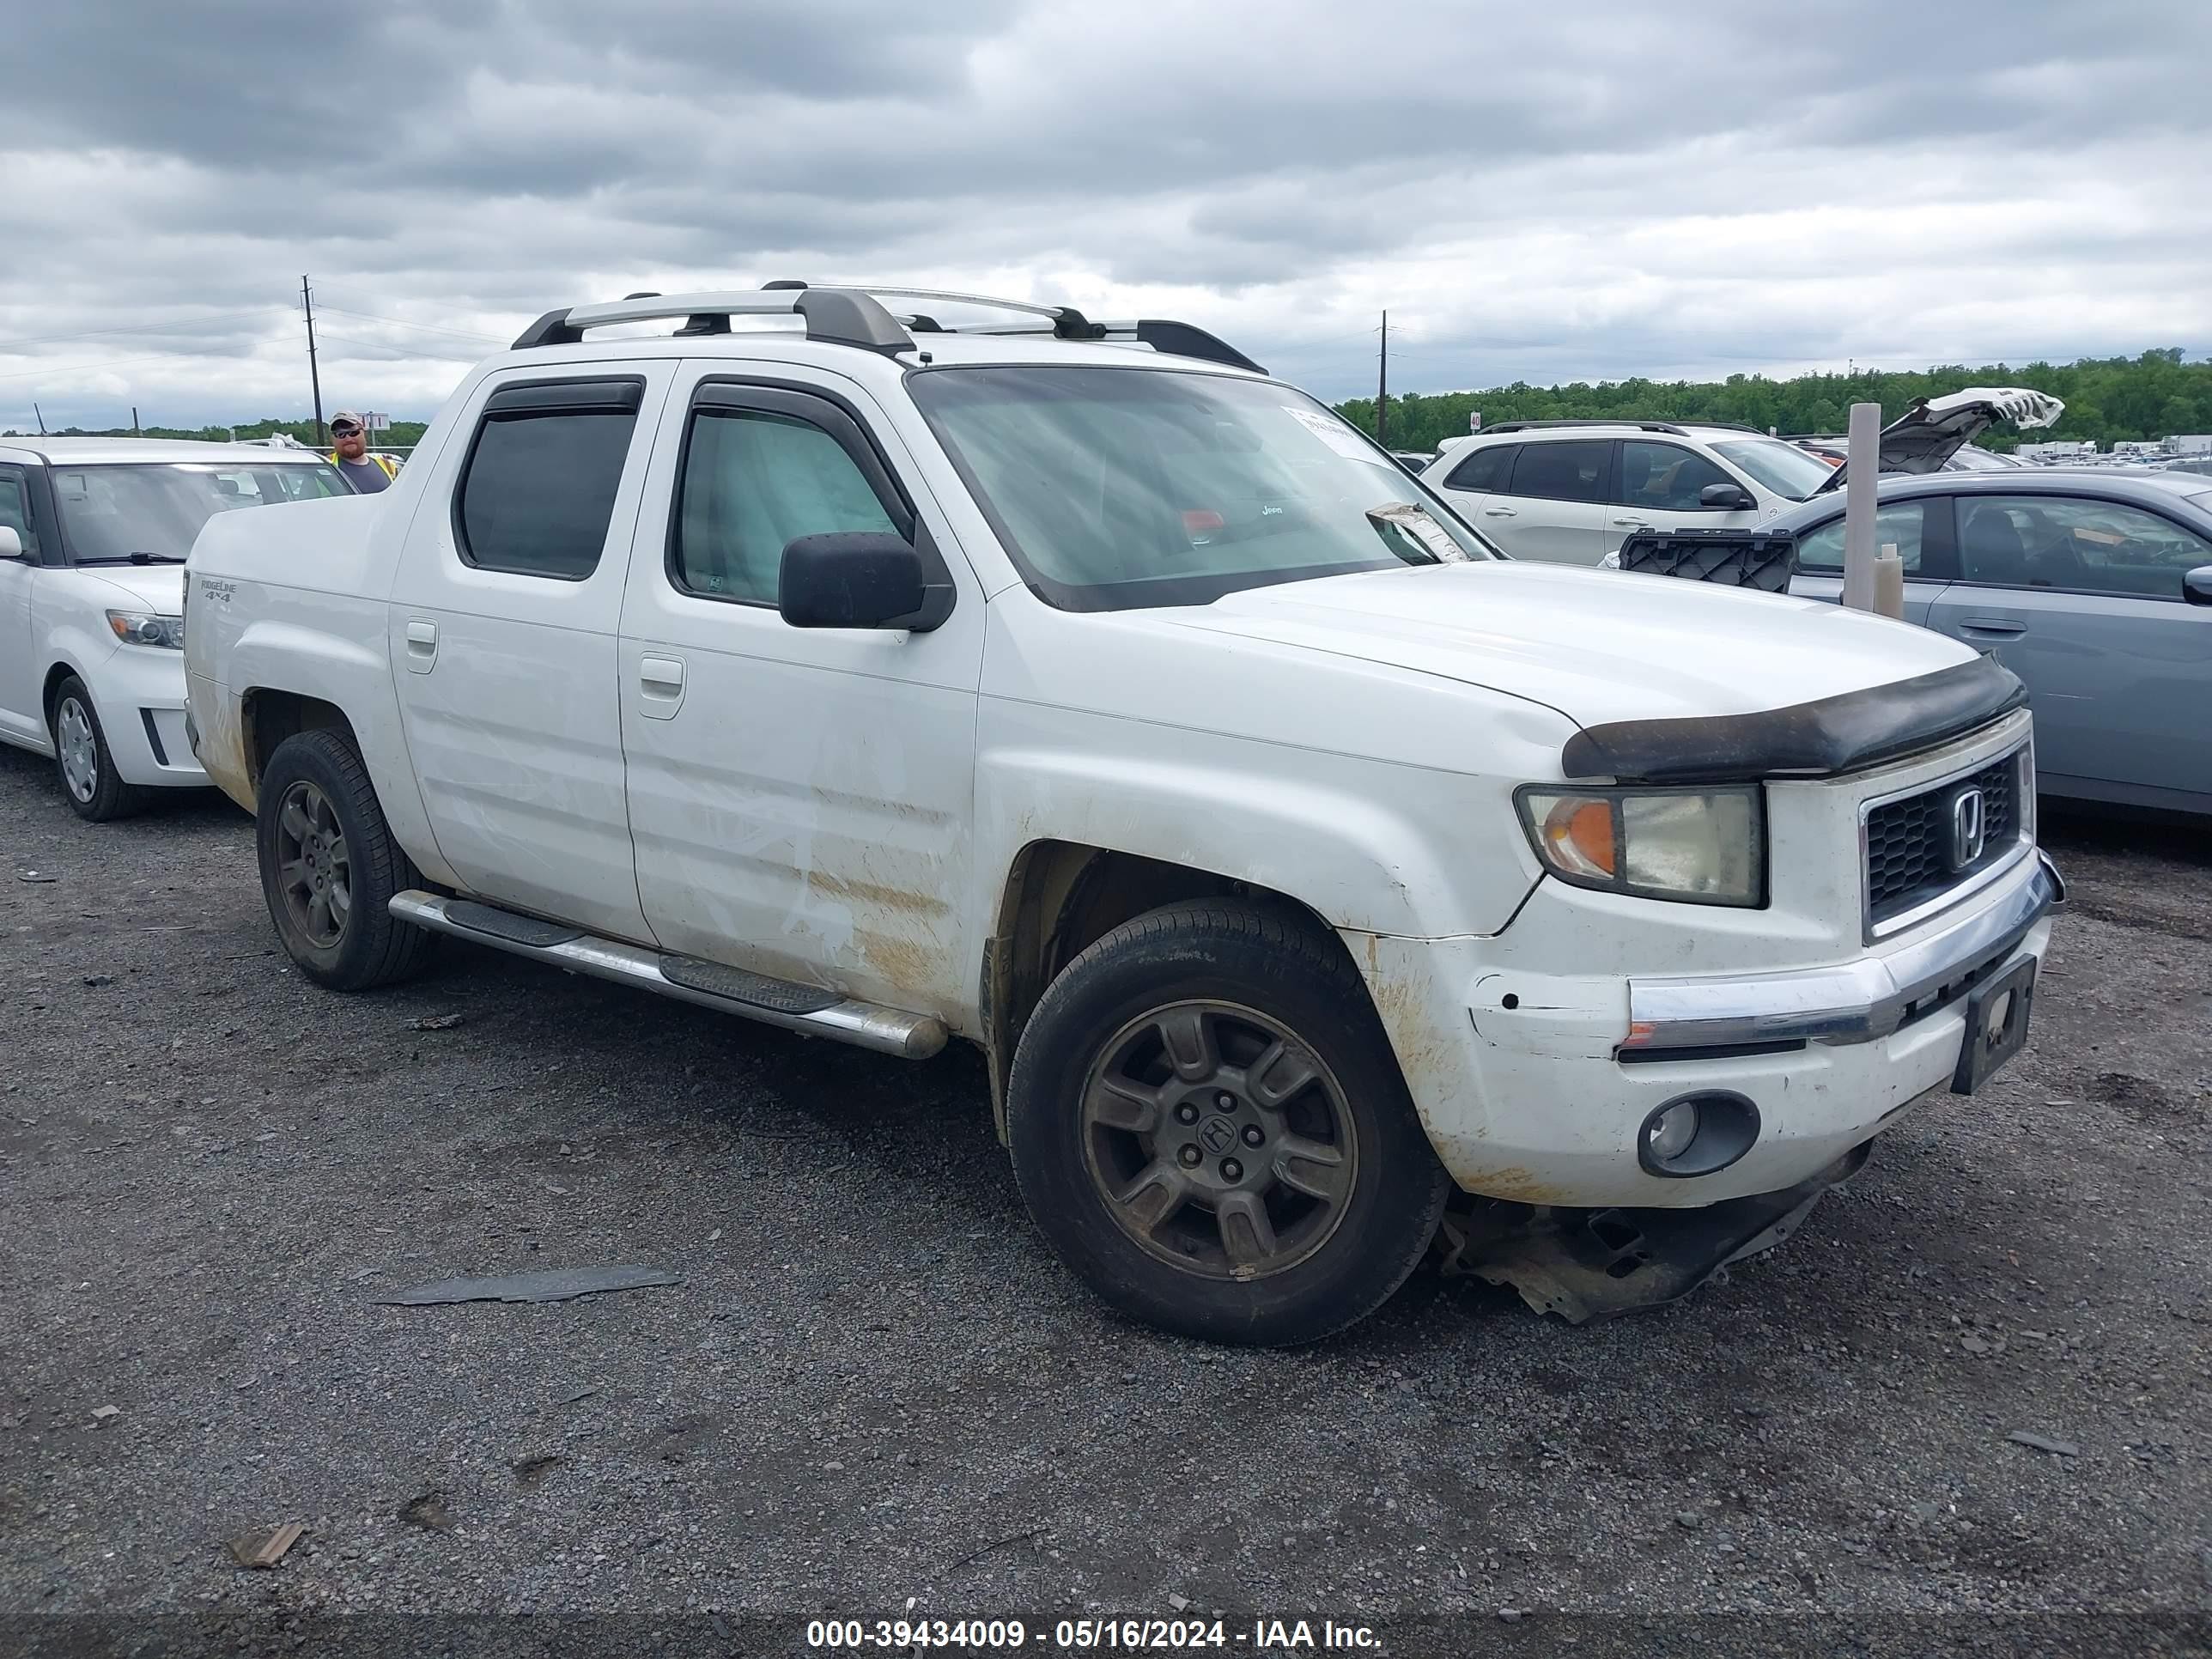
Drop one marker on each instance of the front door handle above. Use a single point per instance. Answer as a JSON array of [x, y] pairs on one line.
[[1634, 524], [421, 646], [1500, 512], [2000, 625], [660, 686]]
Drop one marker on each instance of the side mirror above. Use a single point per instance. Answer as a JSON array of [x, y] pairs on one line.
[[865, 578], [1725, 495], [2196, 586], [11, 545]]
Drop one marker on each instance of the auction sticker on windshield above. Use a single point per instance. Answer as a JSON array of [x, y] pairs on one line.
[[1337, 435]]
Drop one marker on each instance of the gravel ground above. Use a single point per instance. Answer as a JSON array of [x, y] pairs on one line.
[[873, 1384]]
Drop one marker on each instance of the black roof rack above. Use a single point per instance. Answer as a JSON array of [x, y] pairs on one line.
[[1679, 429], [858, 317]]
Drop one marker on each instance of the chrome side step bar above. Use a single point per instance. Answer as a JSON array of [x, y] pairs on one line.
[[866, 1025]]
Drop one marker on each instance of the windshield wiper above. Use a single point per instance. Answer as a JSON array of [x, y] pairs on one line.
[[136, 558]]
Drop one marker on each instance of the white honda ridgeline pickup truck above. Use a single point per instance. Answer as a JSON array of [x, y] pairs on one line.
[[1076, 689]]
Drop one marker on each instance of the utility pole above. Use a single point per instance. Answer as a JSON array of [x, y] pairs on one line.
[[314, 377], [135, 432], [41, 414], [1383, 388]]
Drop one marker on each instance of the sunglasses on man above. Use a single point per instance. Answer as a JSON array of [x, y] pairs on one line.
[[344, 429]]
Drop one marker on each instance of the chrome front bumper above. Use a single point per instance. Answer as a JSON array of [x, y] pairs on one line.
[[1858, 1001]]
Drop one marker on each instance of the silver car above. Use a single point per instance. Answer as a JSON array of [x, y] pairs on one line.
[[2095, 587]]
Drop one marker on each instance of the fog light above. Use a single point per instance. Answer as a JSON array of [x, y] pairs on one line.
[[1696, 1134], [1667, 1136]]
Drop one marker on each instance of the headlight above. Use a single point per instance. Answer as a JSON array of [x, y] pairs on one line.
[[1702, 847], [144, 628]]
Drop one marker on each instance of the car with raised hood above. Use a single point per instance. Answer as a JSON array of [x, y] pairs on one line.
[[93, 533], [2094, 586], [1307, 875]]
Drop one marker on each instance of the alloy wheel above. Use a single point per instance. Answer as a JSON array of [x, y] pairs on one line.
[[314, 869], [1219, 1142]]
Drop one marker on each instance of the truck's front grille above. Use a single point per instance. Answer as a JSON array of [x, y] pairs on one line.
[[1911, 851]]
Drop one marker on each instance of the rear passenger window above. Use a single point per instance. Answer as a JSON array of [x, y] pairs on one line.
[[1487, 469], [1902, 524], [538, 490], [752, 481], [1562, 471]]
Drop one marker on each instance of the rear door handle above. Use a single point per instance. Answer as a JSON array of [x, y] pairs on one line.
[[1635, 524], [660, 686], [2002, 625], [422, 647], [1499, 512]]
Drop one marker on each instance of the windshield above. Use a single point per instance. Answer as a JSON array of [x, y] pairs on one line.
[[1783, 468], [113, 512], [1116, 488]]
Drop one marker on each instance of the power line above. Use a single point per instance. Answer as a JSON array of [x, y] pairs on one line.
[[386, 345], [458, 333], [86, 369], [141, 328]]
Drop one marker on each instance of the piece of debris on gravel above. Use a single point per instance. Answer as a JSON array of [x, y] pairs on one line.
[[264, 1546], [2057, 1448], [553, 1285], [436, 1022], [428, 1510]]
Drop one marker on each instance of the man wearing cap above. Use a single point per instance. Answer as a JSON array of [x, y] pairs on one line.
[[367, 473]]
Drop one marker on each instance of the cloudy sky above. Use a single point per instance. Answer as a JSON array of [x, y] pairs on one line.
[[1535, 192]]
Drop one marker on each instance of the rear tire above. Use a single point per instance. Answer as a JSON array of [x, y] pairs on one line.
[[1209, 1125], [93, 788], [329, 866]]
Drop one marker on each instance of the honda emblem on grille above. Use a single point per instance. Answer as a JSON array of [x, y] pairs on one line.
[[1969, 827]]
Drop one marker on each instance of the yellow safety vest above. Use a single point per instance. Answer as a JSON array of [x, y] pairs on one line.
[[390, 470]]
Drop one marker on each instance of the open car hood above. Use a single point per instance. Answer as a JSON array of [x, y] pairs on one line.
[[1935, 429]]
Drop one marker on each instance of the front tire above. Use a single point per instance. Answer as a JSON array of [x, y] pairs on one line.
[[329, 866], [93, 788], [1209, 1125]]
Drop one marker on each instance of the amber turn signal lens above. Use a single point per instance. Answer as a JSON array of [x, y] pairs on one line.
[[1586, 826]]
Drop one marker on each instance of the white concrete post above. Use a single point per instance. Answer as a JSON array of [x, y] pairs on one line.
[[1862, 459]]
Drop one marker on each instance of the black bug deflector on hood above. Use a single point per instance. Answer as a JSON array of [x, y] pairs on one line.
[[1809, 739]]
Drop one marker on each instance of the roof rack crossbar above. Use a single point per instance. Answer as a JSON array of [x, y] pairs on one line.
[[1530, 426], [835, 315], [856, 316]]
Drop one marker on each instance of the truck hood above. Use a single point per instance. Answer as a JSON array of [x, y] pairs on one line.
[[159, 588], [1932, 430], [1598, 646]]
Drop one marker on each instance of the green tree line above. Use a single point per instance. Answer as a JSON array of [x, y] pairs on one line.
[[2107, 399], [403, 434]]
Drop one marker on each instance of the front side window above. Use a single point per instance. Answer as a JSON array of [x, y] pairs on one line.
[[15, 507], [1783, 468], [1902, 524], [2074, 546], [1561, 471], [537, 491], [1117, 488], [754, 480], [1665, 477], [151, 514]]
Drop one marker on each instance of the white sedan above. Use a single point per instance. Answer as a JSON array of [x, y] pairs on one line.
[[93, 533]]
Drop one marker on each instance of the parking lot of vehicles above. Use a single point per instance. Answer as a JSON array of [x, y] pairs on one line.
[[1289, 858], [93, 533], [2094, 587]]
